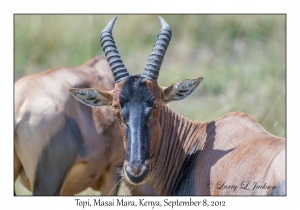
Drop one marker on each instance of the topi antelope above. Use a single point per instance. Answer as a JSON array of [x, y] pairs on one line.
[[232, 155], [62, 146]]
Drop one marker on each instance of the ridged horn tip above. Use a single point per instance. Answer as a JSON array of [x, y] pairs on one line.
[[110, 25], [112, 55], [163, 23], [156, 57]]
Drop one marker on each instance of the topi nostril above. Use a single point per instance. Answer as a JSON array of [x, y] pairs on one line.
[[134, 170], [136, 173]]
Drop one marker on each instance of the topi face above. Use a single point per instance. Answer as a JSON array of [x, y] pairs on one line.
[[137, 101]]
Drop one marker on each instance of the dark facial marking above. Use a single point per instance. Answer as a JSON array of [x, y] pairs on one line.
[[136, 108], [136, 91]]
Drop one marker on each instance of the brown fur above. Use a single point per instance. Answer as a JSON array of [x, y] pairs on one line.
[[233, 149], [153, 122], [194, 158], [41, 102]]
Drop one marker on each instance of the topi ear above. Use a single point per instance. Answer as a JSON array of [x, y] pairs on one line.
[[180, 90], [92, 97]]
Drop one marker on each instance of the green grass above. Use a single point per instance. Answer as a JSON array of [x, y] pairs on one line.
[[241, 57]]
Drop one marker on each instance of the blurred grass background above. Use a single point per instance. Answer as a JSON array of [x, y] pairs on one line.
[[242, 58]]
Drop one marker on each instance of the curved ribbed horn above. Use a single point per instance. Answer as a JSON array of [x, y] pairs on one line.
[[158, 52], [112, 55]]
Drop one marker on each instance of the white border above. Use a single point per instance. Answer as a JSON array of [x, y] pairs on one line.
[[187, 6]]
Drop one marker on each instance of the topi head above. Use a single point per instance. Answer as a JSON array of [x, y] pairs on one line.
[[137, 101]]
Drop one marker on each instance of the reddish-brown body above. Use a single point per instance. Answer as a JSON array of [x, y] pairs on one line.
[[43, 107], [232, 155]]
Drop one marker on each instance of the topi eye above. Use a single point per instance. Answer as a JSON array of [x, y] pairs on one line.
[[157, 105], [116, 106]]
